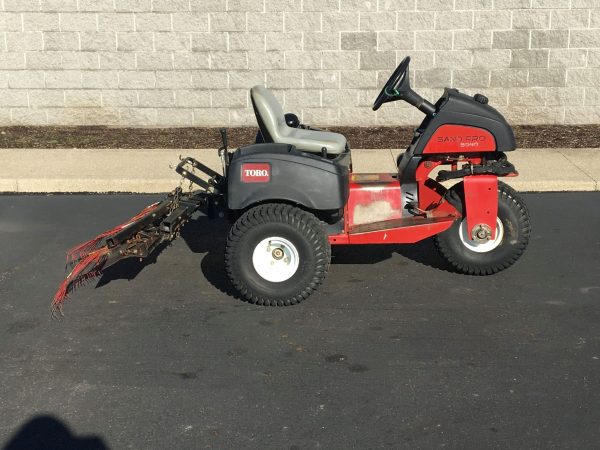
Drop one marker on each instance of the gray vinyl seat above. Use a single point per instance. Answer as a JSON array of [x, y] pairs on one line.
[[271, 120]]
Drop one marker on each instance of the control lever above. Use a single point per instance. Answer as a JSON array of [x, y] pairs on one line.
[[223, 132], [223, 154]]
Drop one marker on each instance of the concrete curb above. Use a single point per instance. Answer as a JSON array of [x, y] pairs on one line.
[[148, 171]]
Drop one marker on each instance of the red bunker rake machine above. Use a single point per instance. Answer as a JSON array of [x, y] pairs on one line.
[[292, 195]]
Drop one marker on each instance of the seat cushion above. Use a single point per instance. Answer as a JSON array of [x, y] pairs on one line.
[[314, 141]]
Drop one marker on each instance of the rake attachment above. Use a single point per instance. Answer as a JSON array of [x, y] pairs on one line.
[[143, 233], [82, 250], [136, 238]]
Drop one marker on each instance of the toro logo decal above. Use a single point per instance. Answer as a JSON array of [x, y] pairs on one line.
[[256, 173]]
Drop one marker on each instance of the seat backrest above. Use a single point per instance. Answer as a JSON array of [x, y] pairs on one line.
[[271, 121], [269, 114]]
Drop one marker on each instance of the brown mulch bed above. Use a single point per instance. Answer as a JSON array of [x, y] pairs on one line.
[[528, 136]]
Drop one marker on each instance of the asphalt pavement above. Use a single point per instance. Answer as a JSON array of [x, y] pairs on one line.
[[394, 351]]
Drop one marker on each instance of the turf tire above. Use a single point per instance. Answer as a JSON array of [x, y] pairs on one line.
[[514, 216], [297, 226]]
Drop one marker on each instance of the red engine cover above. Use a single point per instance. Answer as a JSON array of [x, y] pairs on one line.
[[460, 139], [374, 197]]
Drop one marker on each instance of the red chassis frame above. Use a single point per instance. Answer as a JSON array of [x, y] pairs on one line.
[[434, 213]]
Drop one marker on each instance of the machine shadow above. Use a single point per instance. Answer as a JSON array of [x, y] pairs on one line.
[[208, 237], [46, 432], [128, 269], [202, 235], [423, 252]]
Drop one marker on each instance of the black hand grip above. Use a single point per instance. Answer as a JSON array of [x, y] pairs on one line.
[[224, 137]]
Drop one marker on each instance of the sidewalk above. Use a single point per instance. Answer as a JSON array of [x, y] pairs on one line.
[[148, 171]]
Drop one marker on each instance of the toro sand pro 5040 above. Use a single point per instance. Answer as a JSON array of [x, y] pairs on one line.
[[292, 195]]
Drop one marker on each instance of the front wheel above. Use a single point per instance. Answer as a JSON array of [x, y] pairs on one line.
[[484, 258], [277, 255]]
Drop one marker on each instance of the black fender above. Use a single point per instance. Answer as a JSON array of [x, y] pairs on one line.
[[271, 172]]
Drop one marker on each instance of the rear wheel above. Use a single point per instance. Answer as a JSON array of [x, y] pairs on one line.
[[486, 257], [277, 255]]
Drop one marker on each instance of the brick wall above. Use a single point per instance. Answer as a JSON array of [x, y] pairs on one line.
[[191, 62]]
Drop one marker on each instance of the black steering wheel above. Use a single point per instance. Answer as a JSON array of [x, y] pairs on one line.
[[393, 89]]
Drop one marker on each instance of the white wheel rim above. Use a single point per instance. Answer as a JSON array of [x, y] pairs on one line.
[[275, 259], [483, 246]]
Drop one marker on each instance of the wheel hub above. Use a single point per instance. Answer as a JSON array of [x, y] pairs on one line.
[[277, 254], [481, 233], [275, 259], [480, 241]]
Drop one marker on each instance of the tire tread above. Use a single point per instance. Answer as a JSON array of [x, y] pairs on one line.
[[455, 196], [302, 221]]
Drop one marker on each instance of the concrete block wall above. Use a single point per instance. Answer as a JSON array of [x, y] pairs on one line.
[[171, 63]]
